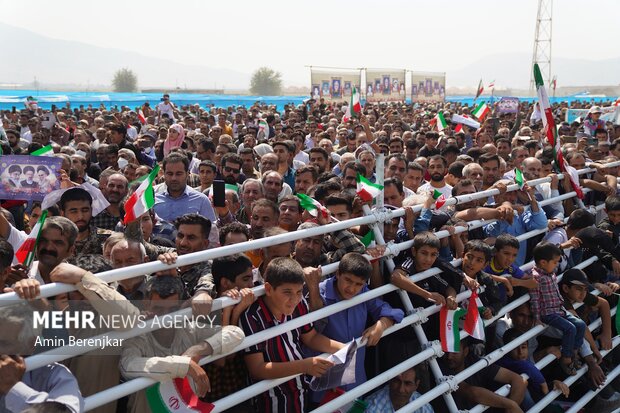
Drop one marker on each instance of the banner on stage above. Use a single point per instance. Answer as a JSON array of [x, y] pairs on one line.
[[428, 87], [28, 178], [385, 85], [334, 85]]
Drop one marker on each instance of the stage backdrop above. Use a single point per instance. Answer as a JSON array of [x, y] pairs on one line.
[[385, 85], [428, 87], [334, 85]]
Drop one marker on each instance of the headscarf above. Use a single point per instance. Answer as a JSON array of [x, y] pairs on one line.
[[168, 144]]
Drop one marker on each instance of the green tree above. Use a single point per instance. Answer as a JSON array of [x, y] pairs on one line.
[[266, 81], [125, 80]]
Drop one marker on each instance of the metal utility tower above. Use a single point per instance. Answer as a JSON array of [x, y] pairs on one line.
[[542, 42]]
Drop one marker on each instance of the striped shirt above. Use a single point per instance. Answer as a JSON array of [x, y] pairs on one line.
[[290, 396]]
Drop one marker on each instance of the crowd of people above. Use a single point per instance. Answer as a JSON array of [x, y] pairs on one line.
[[308, 149]]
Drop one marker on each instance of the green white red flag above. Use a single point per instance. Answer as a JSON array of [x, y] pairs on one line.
[[354, 108], [263, 127], [440, 121], [366, 190], [473, 321], [141, 117], [368, 238], [551, 132], [177, 396], [44, 151], [142, 199], [25, 252], [479, 90], [481, 111], [440, 199], [449, 329], [519, 179], [312, 205]]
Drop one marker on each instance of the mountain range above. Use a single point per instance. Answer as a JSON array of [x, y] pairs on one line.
[[76, 65]]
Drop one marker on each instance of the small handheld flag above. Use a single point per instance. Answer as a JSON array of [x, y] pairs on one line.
[[312, 205], [25, 253], [473, 322], [440, 199], [449, 329], [142, 200], [519, 180], [366, 190]]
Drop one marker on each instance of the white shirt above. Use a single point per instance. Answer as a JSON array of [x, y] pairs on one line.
[[427, 188], [302, 157], [165, 108]]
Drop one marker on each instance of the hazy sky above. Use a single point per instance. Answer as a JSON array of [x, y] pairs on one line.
[[287, 35]]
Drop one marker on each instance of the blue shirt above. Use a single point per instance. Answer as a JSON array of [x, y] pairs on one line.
[[191, 201], [51, 383], [380, 402], [348, 324], [522, 223]]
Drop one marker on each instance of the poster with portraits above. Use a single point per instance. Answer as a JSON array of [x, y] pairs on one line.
[[385, 85], [334, 86], [428, 87], [28, 178]]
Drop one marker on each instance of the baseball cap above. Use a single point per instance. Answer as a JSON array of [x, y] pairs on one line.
[[575, 276], [596, 109]]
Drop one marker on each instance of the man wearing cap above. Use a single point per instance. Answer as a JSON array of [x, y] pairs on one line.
[[165, 107], [593, 121]]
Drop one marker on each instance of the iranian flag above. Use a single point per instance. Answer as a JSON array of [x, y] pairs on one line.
[[492, 85], [519, 179], [479, 90], [263, 127], [366, 190], [44, 151], [141, 117], [449, 325], [473, 322], [440, 121], [175, 396], [142, 200], [551, 132], [368, 238], [25, 252], [312, 205], [354, 108], [440, 199], [467, 121], [481, 111]]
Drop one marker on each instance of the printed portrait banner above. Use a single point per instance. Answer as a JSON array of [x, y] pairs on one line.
[[385, 85], [334, 85], [428, 87], [28, 178], [508, 105], [610, 114]]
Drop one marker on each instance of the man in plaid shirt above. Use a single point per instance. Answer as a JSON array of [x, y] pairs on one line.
[[547, 305]]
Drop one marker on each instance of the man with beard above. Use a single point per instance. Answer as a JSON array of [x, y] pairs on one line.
[[230, 169], [305, 178], [76, 205], [115, 191], [437, 167]]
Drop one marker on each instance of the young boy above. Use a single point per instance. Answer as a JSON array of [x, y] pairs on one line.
[[547, 304], [476, 256], [574, 289], [502, 264], [232, 276], [518, 361], [611, 223], [437, 289], [350, 281], [281, 356]]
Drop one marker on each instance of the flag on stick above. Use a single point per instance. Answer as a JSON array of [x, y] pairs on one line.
[[312, 205], [551, 132], [44, 151], [479, 90], [449, 326], [440, 121], [366, 190], [481, 111], [354, 108], [25, 252], [142, 200], [440, 199], [519, 180], [473, 322]]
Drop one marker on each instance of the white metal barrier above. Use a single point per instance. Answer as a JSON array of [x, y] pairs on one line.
[[414, 317]]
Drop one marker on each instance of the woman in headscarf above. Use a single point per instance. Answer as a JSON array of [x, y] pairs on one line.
[[175, 137]]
